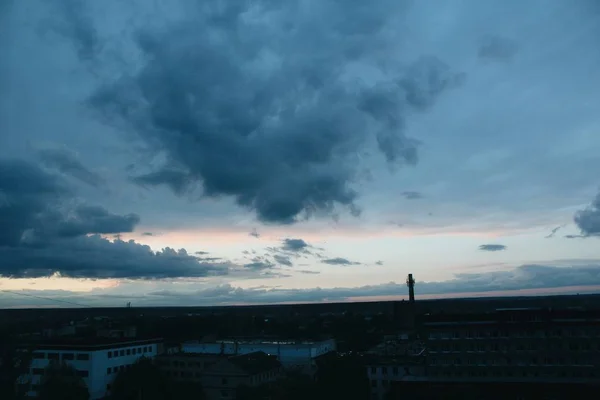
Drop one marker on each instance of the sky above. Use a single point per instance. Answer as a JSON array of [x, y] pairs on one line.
[[186, 152]]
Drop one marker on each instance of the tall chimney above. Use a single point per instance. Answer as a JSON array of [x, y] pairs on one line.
[[410, 282]]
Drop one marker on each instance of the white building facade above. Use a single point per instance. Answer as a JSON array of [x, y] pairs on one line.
[[97, 363], [294, 355]]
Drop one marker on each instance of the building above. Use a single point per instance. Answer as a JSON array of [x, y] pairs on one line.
[[394, 360], [294, 355], [505, 353], [517, 344], [221, 375], [97, 361]]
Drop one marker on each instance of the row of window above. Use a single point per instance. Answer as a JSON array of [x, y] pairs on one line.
[[41, 371], [533, 333], [114, 370], [61, 356], [531, 346], [130, 351], [546, 361], [511, 373]]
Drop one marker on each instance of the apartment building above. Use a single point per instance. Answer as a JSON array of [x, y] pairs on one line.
[[504, 353], [97, 360], [523, 344]]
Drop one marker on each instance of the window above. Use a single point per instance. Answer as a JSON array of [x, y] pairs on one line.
[[139, 350], [373, 370], [145, 349], [110, 354], [108, 371], [224, 394], [395, 370], [67, 356], [82, 373], [384, 370], [37, 371], [39, 356], [52, 356], [224, 381], [128, 352], [83, 356], [121, 352]]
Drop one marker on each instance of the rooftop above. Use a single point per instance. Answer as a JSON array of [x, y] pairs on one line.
[[91, 343]]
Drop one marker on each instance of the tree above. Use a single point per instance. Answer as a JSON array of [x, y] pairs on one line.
[[14, 364], [142, 381], [61, 382]]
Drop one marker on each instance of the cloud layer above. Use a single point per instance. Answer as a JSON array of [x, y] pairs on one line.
[[46, 230], [256, 101]]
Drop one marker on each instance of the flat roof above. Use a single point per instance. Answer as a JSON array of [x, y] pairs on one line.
[[91, 344]]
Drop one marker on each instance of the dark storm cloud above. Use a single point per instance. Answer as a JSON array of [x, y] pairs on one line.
[[93, 219], [411, 195], [27, 191], [496, 48], [147, 234], [263, 114], [178, 181], [45, 232], [68, 163], [78, 26], [339, 261], [588, 220], [96, 257], [492, 247]]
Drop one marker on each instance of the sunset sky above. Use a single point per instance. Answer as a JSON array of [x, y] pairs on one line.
[[185, 152]]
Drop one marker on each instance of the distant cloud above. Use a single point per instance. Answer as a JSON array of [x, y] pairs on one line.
[[411, 195], [282, 260], [492, 247], [254, 233], [147, 234], [340, 261], [294, 245], [379, 263], [588, 219], [497, 48], [553, 232], [308, 272], [521, 278]]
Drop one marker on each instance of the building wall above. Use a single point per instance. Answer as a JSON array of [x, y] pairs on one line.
[[513, 349], [291, 355], [96, 367]]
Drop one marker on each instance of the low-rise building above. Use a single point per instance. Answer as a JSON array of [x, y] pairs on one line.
[[221, 375], [294, 355], [97, 360]]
